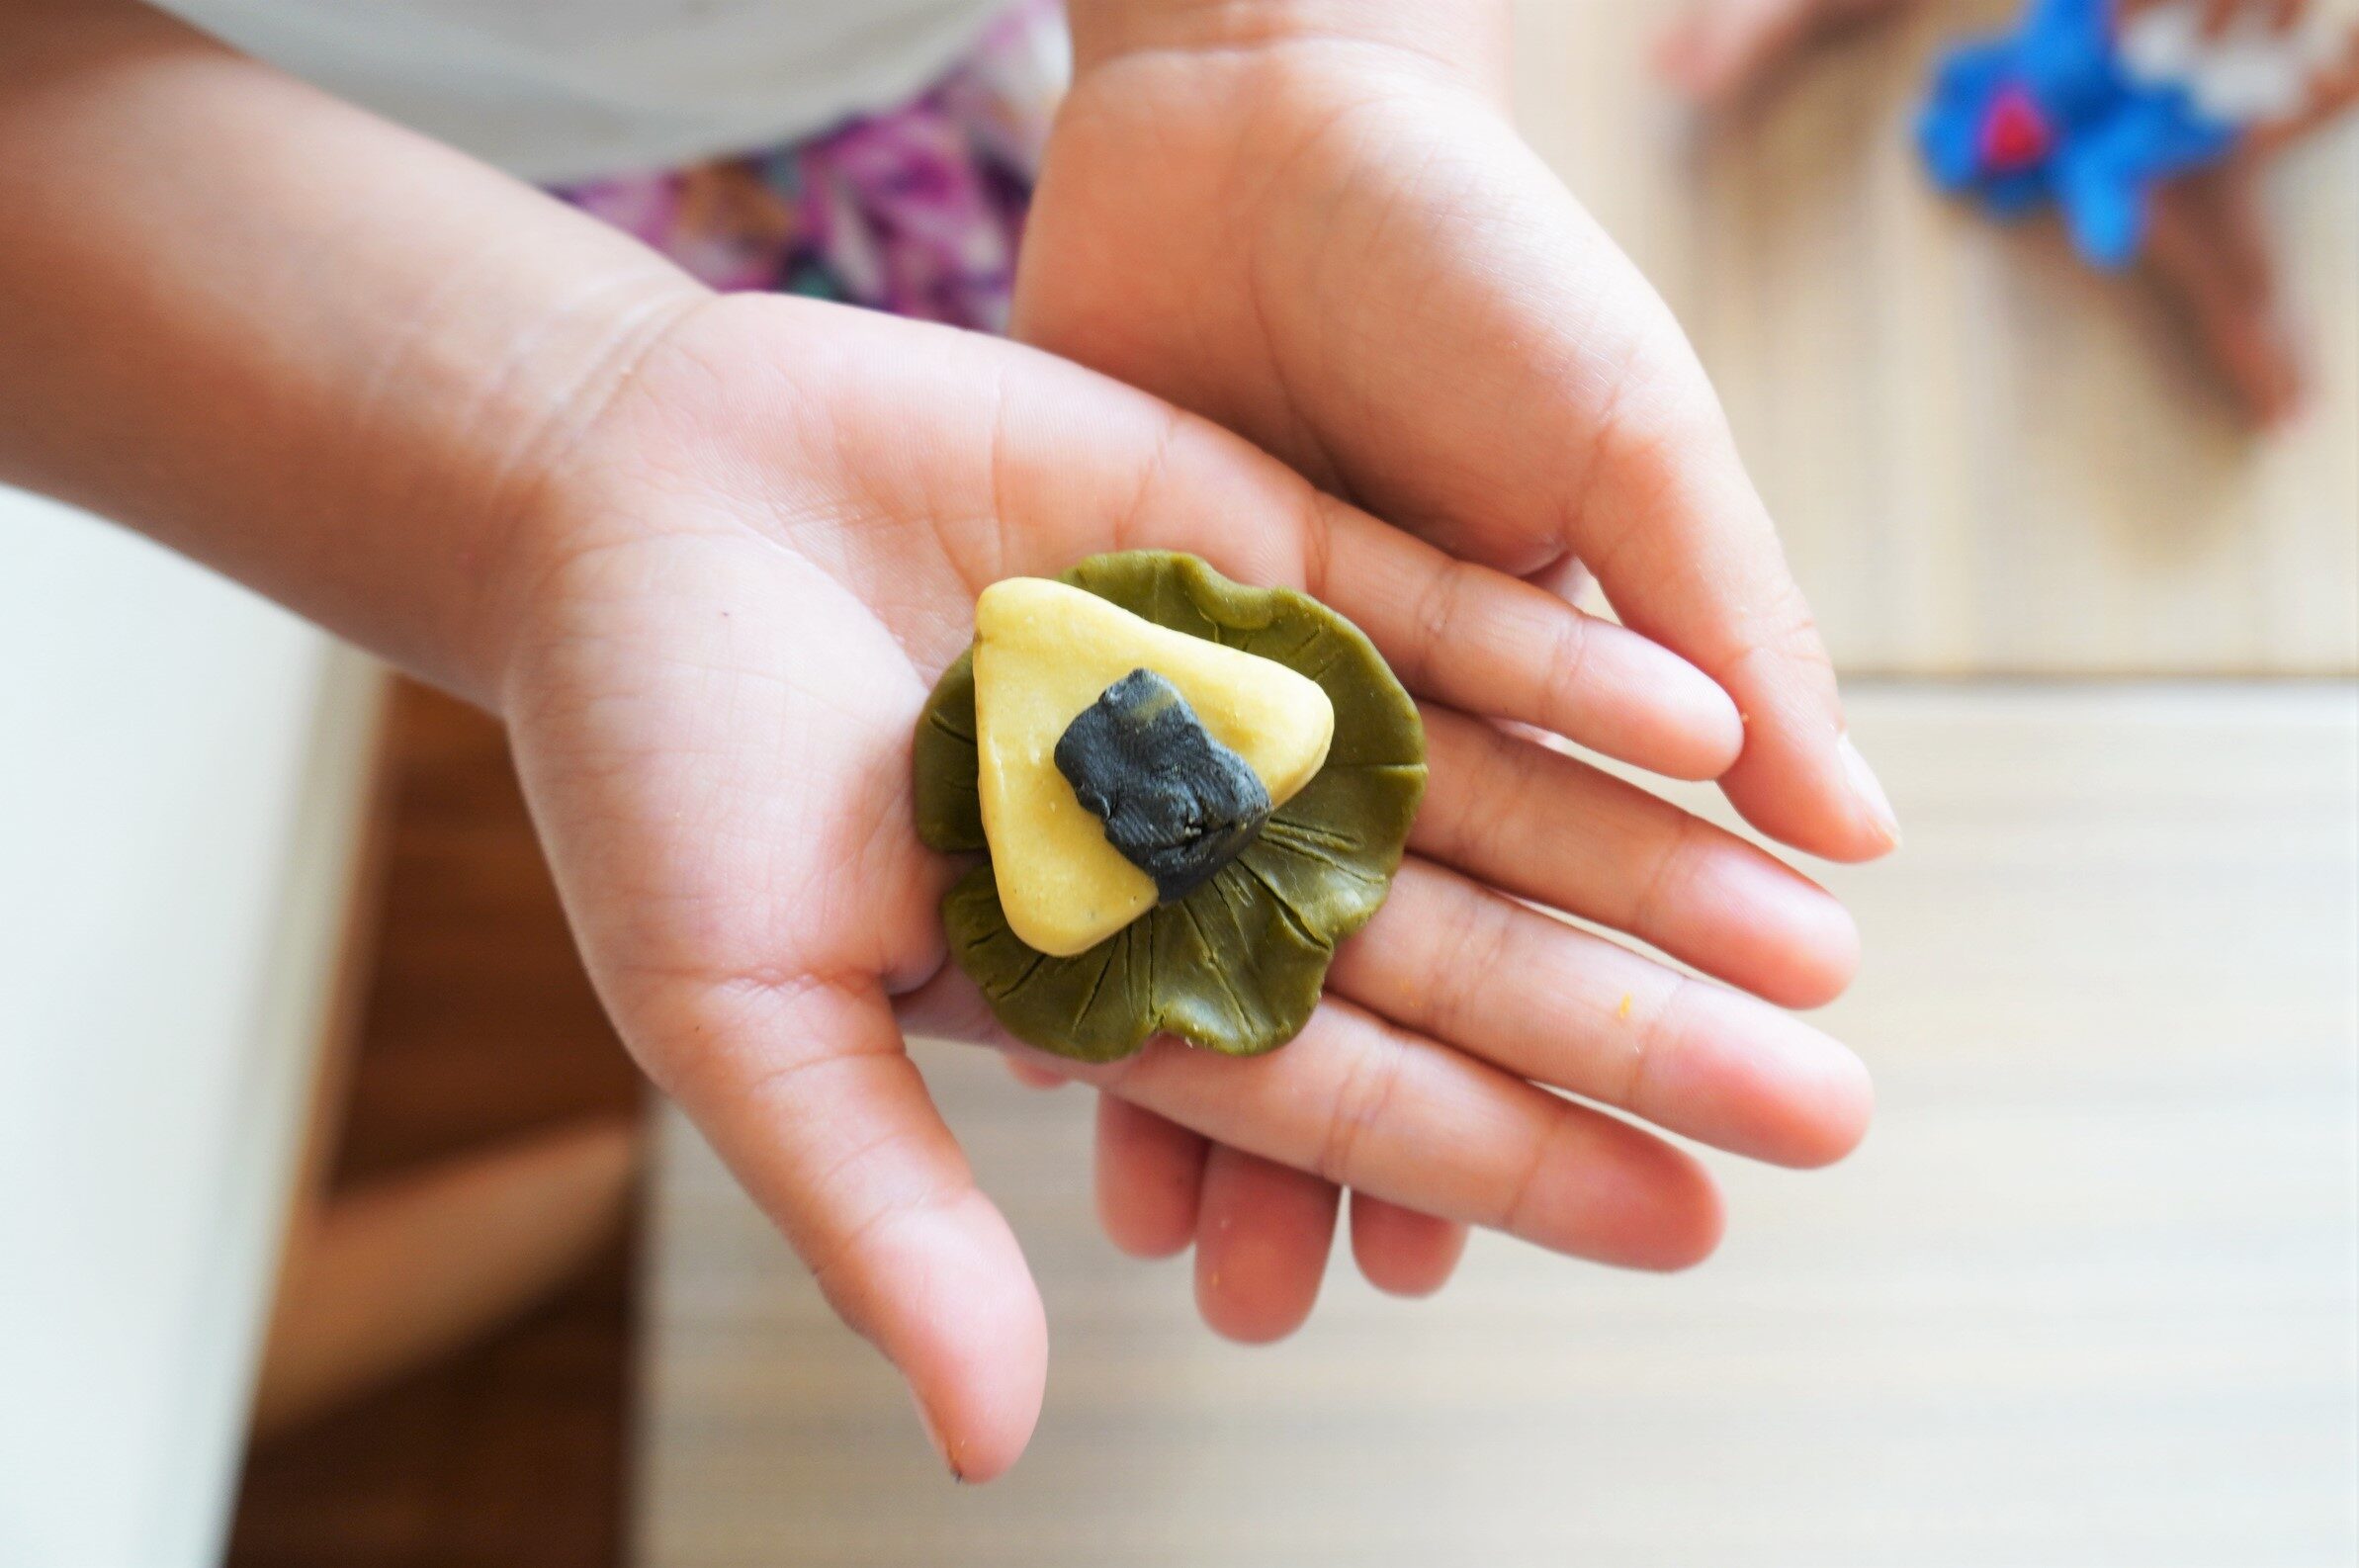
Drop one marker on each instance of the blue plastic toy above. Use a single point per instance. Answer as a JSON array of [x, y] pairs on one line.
[[2050, 114]]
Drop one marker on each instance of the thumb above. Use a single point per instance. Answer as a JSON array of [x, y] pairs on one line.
[[1594, 430], [805, 1089]]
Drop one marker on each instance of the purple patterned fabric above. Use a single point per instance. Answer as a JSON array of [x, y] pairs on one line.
[[916, 211]]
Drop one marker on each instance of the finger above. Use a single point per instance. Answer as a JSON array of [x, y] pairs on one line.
[[807, 1094], [1473, 637], [1262, 1234], [1546, 1001], [1565, 577], [2223, 211], [1564, 410], [2187, 245], [2217, 15], [1149, 1175], [2258, 356], [1491, 644], [1542, 826], [1685, 550], [1364, 1105], [1032, 1074], [2194, 256], [1401, 1252], [2332, 89]]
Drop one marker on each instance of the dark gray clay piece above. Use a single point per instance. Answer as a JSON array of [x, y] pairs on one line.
[[1177, 803]]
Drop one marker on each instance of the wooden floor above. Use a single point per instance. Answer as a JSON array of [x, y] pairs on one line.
[[478, 1023]]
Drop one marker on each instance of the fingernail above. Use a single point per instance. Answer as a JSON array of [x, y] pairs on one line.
[[1865, 785], [933, 1435]]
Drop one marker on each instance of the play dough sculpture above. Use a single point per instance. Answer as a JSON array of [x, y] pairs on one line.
[[1177, 803], [1189, 790], [2077, 108], [1048, 657]]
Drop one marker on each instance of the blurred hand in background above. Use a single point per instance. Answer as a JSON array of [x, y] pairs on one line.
[[2208, 246]]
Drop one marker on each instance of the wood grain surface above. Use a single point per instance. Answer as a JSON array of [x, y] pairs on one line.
[[1984, 457], [2086, 1296]]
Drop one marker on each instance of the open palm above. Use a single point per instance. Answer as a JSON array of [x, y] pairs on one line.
[[771, 542]]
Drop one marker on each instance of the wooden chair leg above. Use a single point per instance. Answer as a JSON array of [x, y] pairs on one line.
[[412, 1267]]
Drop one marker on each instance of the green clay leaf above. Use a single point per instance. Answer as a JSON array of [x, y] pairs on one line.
[[1238, 965]]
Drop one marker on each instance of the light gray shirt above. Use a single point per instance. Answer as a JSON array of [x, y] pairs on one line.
[[567, 89]]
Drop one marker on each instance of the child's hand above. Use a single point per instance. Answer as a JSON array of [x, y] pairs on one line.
[[1718, 52], [707, 558], [1313, 224], [756, 557], [2210, 244]]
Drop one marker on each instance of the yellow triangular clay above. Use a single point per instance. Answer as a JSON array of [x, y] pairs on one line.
[[1043, 652]]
